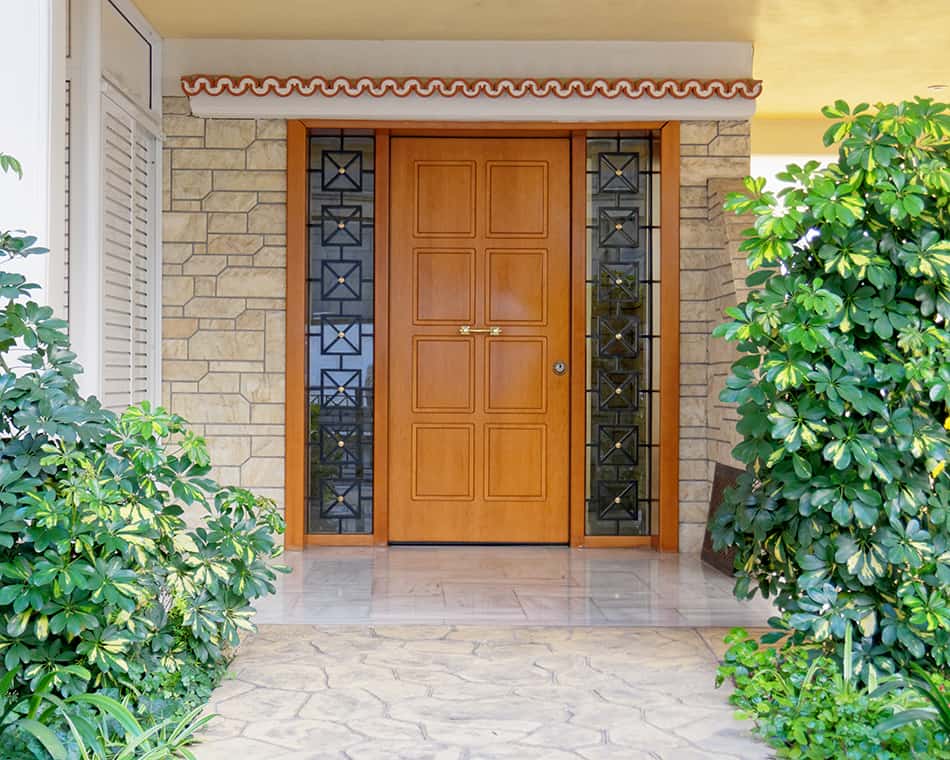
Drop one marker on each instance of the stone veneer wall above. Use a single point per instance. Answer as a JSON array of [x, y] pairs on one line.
[[223, 295], [714, 159], [223, 289]]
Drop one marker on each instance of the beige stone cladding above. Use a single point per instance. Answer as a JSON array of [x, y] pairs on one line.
[[715, 158], [223, 295], [224, 247]]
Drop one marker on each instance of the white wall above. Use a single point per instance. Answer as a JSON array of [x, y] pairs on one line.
[[30, 59]]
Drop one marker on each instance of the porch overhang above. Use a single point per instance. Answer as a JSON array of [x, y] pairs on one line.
[[424, 98]]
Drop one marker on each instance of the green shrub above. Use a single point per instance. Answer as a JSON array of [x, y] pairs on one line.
[[805, 705], [103, 586], [843, 511]]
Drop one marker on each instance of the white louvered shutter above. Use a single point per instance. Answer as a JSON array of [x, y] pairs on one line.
[[128, 257]]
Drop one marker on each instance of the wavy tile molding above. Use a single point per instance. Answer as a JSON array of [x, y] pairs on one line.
[[197, 84]]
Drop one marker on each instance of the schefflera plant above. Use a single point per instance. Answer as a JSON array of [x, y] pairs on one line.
[[843, 510], [103, 583]]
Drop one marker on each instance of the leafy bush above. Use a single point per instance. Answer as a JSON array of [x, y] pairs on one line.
[[103, 586], [843, 511], [806, 705]]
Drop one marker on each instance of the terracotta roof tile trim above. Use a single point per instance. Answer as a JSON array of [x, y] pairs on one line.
[[208, 84]]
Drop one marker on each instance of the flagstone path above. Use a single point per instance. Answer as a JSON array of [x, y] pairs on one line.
[[384, 692]]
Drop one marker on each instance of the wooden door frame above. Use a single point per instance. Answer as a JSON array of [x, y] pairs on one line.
[[666, 537]]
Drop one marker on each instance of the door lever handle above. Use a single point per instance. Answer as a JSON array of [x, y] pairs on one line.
[[469, 330]]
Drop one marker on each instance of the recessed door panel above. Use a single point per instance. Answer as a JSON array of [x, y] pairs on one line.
[[479, 315], [517, 198], [517, 286], [516, 375], [442, 374], [444, 286], [515, 461], [443, 461], [444, 198]]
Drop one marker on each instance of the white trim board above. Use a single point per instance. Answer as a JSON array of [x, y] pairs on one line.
[[482, 108]]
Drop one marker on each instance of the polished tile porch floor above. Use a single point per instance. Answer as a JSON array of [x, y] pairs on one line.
[[465, 585]]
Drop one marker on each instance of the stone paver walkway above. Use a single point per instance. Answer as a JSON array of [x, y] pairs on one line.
[[474, 693]]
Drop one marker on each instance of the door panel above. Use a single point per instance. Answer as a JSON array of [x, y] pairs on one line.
[[480, 237]]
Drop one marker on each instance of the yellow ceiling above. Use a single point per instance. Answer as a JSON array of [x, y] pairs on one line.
[[808, 52]]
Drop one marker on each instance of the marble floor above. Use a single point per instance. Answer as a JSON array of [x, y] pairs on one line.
[[475, 693], [532, 586]]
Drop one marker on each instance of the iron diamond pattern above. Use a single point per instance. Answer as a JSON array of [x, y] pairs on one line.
[[340, 332], [621, 339]]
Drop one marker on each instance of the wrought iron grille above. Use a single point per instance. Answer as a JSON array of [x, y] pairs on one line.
[[340, 332], [622, 332]]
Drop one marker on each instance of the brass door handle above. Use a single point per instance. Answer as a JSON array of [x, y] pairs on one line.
[[469, 330]]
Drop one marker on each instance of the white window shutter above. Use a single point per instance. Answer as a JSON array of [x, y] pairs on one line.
[[128, 258]]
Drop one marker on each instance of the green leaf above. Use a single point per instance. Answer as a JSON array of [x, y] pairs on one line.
[[45, 736]]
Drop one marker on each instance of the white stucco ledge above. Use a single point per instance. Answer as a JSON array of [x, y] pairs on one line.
[[658, 80], [504, 99]]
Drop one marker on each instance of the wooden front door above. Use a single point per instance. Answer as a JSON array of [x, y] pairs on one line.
[[479, 322]]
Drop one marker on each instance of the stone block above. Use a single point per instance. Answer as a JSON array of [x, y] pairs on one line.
[[225, 222], [691, 538], [730, 145], [171, 142], [177, 290], [270, 218], [215, 324], [266, 154], [226, 365], [263, 472], [694, 150], [271, 256], [267, 446], [179, 328], [257, 282], [208, 158], [230, 201], [693, 411], [175, 348], [267, 414], [178, 125], [191, 183], [229, 451], [274, 330], [175, 104], [699, 233], [184, 370], [214, 308], [226, 345], [183, 227], [175, 253], [697, 170], [272, 197], [693, 349], [250, 320], [693, 285], [186, 205], [263, 389], [204, 286], [220, 382], [694, 490], [205, 264], [166, 180], [232, 245], [271, 129], [212, 407], [697, 132], [229, 133], [735, 127], [254, 180]]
